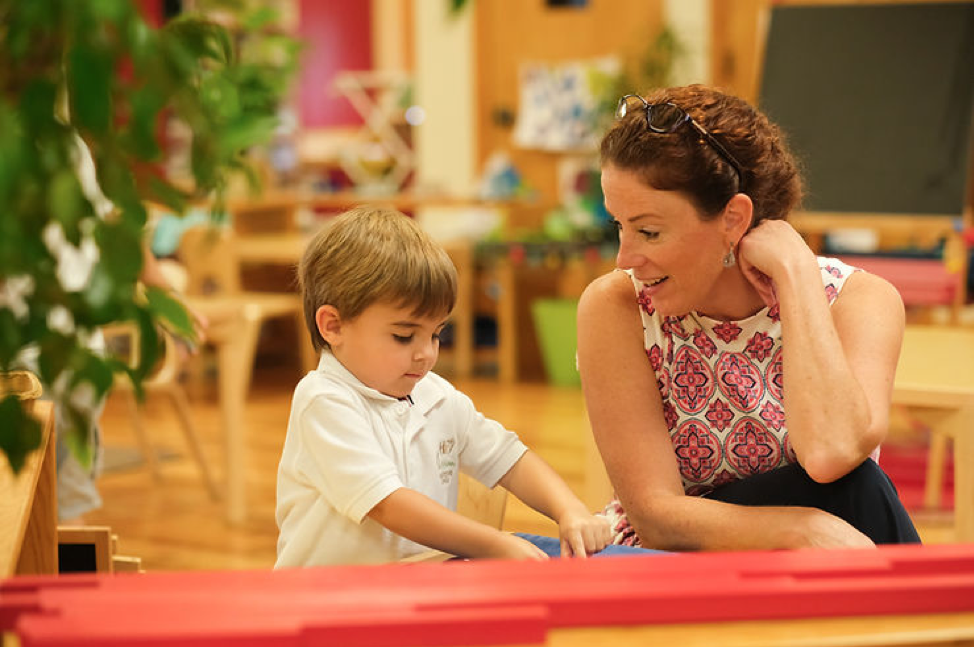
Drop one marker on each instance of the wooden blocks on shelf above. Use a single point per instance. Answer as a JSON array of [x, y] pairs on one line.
[[92, 549]]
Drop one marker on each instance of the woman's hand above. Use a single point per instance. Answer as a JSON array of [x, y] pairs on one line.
[[583, 533], [768, 249], [814, 528]]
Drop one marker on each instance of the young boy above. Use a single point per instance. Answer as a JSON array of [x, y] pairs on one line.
[[375, 441]]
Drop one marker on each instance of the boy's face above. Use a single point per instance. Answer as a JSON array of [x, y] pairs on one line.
[[388, 348]]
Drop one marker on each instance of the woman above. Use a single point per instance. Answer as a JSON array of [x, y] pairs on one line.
[[715, 434]]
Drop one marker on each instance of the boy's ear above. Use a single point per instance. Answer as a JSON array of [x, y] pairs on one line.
[[329, 324], [737, 217]]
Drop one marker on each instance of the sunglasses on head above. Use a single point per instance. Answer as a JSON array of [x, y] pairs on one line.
[[665, 118]]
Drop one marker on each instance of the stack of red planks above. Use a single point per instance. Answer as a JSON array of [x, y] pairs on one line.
[[920, 281], [481, 602]]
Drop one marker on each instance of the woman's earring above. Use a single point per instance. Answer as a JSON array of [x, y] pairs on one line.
[[729, 259]]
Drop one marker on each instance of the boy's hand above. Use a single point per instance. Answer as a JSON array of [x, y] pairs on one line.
[[583, 533], [513, 547]]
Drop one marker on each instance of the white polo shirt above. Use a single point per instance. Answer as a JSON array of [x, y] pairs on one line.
[[348, 447]]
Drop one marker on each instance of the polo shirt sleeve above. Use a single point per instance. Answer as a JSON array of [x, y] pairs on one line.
[[488, 450], [342, 456]]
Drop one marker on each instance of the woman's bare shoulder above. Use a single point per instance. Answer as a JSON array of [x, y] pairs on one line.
[[612, 290]]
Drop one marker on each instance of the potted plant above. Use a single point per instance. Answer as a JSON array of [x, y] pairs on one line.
[[99, 71]]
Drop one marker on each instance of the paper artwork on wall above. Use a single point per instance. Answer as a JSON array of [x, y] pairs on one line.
[[558, 105]]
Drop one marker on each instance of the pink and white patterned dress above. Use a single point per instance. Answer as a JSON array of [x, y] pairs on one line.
[[722, 394]]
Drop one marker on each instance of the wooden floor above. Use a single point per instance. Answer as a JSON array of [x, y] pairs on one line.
[[172, 524]]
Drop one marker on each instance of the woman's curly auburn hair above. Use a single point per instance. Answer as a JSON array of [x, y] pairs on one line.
[[683, 161]]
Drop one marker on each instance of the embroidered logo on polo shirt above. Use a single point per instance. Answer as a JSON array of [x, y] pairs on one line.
[[445, 461]]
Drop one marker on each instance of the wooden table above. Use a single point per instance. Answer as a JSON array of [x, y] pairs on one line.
[[935, 378], [28, 506]]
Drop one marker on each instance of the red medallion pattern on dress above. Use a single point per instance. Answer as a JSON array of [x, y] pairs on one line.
[[751, 448], [697, 450], [670, 416], [722, 388], [789, 451], [831, 293], [674, 325], [646, 302], [727, 331], [740, 381], [655, 355], [719, 415], [774, 378], [759, 346], [663, 381], [773, 415], [692, 382], [704, 343]]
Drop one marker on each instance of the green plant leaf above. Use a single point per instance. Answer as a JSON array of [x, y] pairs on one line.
[[20, 433], [171, 313], [166, 193], [67, 203], [146, 102], [260, 18], [94, 68], [89, 86], [245, 133], [148, 344]]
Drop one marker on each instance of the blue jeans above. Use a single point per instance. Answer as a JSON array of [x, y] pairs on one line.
[[552, 547]]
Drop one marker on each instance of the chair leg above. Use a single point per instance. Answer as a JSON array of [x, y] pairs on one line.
[[181, 405], [148, 453], [936, 464]]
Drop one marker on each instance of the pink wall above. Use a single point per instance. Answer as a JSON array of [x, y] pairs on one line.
[[337, 36]]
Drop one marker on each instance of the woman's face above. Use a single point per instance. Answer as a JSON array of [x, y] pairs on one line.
[[666, 244]]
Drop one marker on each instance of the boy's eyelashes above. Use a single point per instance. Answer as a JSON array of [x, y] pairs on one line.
[[405, 339]]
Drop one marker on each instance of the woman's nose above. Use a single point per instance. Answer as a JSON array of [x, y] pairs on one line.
[[627, 258]]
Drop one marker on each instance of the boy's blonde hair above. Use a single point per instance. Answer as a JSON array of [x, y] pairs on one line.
[[371, 254]]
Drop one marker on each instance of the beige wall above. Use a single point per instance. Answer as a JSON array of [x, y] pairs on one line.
[[444, 81], [510, 32]]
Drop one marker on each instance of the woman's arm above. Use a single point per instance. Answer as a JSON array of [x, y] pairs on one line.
[[625, 410], [417, 517], [536, 484], [839, 362]]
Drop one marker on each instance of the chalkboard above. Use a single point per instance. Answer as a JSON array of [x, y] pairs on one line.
[[876, 101]]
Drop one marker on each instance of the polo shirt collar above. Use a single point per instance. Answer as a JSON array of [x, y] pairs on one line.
[[425, 395]]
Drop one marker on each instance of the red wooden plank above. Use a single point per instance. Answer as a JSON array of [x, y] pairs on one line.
[[919, 281], [497, 600]]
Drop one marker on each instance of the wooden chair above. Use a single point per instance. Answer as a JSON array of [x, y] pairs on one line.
[[164, 381], [213, 271], [480, 503], [935, 379]]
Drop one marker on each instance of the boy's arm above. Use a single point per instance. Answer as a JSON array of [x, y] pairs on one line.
[[419, 518], [534, 482]]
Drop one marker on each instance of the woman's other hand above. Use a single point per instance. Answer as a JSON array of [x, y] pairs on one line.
[[582, 534], [770, 248]]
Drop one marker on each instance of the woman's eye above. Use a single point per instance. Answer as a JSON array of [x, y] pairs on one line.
[[649, 235], [403, 339], [616, 225]]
